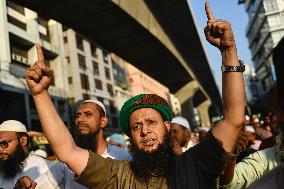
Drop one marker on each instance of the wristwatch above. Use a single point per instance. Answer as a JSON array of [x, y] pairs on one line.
[[240, 68]]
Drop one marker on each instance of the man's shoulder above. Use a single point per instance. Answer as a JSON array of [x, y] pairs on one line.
[[116, 148], [118, 153], [267, 153], [267, 157], [37, 160], [43, 164]]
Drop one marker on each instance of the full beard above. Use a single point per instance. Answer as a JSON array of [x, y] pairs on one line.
[[14, 164], [86, 141], [145, 165]]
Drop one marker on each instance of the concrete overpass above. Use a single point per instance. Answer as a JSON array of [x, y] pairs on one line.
[[159, 37]]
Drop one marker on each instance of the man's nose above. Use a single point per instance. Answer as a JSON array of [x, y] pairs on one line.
[[81, 119], [145, 129]]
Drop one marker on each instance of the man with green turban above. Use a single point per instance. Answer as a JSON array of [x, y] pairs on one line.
[[146, 120], [143, 101]]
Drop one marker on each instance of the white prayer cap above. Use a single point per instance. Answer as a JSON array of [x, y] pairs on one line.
[[97, 103], [250, 129], [204, 129], [256, 120], [181, 121], [247, 118], [13, 125]]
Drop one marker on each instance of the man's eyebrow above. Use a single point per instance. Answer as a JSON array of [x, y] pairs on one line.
[[137, 122], [3, 140], [150, 118], [88, 111]]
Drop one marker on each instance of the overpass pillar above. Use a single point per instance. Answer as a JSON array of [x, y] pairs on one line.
[[203, 110], [185, 96]]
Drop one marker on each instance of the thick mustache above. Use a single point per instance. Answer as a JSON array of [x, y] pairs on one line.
[[4, 154], [82, 125]]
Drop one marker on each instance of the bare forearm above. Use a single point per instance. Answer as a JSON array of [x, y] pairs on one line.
[[56, 132], [233, 102], [233, 90]]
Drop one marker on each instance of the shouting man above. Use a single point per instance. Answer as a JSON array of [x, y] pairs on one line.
[[146, 120]]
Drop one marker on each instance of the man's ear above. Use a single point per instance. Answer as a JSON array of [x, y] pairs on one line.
[[104, 122], [167, 125], [23, 140], [187, 133]]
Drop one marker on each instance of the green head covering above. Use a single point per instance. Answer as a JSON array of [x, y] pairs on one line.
[[143, 101]]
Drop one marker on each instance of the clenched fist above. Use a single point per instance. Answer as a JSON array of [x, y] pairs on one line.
[[25, 183], [39, 76], [218, 32]]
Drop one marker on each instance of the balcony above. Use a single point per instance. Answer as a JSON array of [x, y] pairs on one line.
[[19, 58], [17, 22], [18, 8]]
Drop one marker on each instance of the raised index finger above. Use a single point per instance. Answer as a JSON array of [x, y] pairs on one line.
[[40, 54], [208, 11]]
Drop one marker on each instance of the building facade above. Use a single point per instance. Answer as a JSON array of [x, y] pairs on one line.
[[20, 29], [89, 73], [264, 30], [121, 88], [82, 70], [142, 83]]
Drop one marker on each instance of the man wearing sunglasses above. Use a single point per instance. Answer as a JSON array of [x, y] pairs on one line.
[[16, 162]]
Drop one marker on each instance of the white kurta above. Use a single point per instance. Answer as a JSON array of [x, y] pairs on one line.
[[47, 174]]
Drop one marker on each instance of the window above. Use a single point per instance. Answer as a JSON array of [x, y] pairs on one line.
[[98, 84], [43, 29], [271, 5], [105, 56], [19, 54], [100, 99], [79, 42], [94, 50], [17, 22], [82, 62], [70, 80], [107, 72], [112, 108], [65, 39], [96, 68], [86, 96], [109, 89], [67, 59], [16, 7], [84, 81]]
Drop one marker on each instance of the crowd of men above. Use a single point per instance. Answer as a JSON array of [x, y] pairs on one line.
[[164, 152]]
